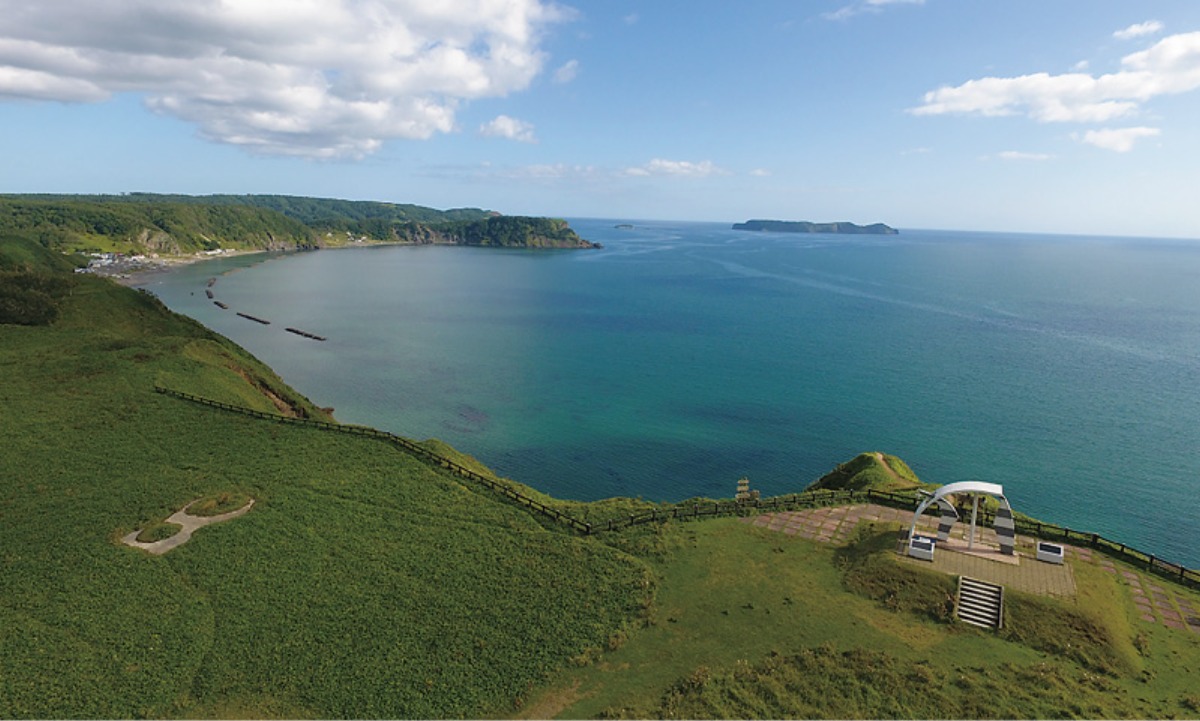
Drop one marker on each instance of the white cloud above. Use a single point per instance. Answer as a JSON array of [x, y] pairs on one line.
[[567, 72], [1021, 155], [503, 126], [554, 171], [1080, 66], [314, 78], [1120, 140], [550, 174], [760, 172], [1150, 27], [631, 19], [866, 6], [682, 168], [1171, 66]]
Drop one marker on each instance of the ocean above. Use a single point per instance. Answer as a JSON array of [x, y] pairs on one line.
[[684, 356]]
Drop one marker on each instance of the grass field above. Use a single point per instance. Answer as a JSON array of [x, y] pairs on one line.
[[364, 583], [750, 623]]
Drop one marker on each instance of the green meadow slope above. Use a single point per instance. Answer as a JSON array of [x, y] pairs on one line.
[[362, 584]]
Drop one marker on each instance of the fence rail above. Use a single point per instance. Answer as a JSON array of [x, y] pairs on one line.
[[407, 445], [701, 509]]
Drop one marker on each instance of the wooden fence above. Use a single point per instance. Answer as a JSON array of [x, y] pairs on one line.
[[710, 509], [405, 444]]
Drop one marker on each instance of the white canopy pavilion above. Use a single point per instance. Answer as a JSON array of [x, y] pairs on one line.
[[1005, 531]]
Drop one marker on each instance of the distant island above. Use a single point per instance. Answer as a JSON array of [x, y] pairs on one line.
[[803, 226]]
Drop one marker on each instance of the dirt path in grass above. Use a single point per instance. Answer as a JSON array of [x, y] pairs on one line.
[[883, 462], [190, 524]]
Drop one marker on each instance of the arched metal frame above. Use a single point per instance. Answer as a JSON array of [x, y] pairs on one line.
[[1005, 531]]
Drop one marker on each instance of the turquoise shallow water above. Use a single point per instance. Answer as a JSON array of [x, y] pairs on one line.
[[683, 356]]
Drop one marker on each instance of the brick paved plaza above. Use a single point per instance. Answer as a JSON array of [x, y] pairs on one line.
[[1157, 601]]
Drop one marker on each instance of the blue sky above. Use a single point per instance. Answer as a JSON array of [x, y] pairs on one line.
[[1073, 116]]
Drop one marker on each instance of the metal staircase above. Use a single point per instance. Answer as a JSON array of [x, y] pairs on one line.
[[979, 603]]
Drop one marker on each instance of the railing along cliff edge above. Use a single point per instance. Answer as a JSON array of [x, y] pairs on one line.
[[701, 509]]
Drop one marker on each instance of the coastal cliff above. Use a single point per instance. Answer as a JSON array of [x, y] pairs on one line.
[[501, 231], [804, 226], [177, 225]]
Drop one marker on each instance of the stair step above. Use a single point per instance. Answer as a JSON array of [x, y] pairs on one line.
[[979, 603], [988, 608], [975, 587], [979, 612], [979, 621]]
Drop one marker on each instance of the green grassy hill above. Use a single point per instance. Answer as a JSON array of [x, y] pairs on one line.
[[320, 213], [865, 471], [362, 584], [366, 584], [183, 225], [169, 228]]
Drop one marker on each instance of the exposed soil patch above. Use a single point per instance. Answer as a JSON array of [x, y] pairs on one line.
[[883, 462], [284, 408]]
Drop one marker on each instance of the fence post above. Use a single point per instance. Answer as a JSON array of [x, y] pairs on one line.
[[1150, 563]]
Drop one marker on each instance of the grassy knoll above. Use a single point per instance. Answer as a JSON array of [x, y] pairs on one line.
[[362, 584], [750, 623], [877, 471]]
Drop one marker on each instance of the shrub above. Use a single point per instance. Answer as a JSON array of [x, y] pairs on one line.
[[158, 531], [217, 504], [869, 570]]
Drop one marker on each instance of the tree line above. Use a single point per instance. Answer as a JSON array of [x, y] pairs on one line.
[[181, 224]]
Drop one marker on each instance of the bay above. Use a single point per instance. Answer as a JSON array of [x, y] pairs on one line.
[[683, 356]]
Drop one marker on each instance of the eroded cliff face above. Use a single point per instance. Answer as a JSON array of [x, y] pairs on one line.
[[498, 231], [157, 241]]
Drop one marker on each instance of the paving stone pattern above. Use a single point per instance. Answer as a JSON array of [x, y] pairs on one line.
[[1156, 601]]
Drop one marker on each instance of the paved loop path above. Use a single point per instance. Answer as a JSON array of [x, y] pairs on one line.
[[190, 524]]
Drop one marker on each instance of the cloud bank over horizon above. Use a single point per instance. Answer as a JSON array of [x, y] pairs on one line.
[[310, 78], [1169, 67]]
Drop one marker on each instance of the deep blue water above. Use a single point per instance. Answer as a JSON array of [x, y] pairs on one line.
[[683, 356]]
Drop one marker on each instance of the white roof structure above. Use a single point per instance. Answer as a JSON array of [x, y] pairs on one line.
[[1003, 522], [991, 489]]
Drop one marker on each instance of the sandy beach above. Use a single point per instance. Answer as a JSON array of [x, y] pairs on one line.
[[135, 273]]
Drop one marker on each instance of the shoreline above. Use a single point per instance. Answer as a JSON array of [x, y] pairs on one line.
[[136, 274], [144, 272], [141, 273]]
